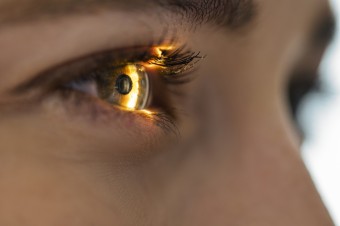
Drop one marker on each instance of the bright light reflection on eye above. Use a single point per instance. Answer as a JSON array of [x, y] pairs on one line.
[[126, 87], [132, 101], [147, 112], [138, 96], [159, 56]]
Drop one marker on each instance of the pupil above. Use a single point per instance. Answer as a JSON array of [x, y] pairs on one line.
[[123, 84]]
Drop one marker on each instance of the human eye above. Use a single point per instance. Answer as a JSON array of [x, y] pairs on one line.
[[131, 81], [126, 86]]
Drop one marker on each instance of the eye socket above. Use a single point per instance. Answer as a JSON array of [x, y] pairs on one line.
[[122, 78], [127, 86]]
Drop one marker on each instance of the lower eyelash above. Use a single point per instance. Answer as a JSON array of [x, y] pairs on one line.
[[98, 110], [166, 123]]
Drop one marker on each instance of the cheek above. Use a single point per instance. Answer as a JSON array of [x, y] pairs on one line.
[[241, 181], [245, 166], [46, 192], [51, 180], [52, 131]]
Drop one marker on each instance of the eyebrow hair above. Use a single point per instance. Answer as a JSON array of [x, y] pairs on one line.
[[232, 14]]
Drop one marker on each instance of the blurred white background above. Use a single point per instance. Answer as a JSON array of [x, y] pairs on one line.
[[321, 119]]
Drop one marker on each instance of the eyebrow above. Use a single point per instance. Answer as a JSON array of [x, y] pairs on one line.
[[232, 14]]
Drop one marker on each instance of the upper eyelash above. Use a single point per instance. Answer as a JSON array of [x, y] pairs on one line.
[[176, 58], [174, 65]]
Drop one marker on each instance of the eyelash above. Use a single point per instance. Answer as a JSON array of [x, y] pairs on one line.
[[177, 64], [174, 65]]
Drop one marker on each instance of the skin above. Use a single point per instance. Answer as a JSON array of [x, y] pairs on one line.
[[237, 161]]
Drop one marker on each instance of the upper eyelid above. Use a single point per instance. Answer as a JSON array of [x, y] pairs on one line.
[[38, 47], [72, 69]]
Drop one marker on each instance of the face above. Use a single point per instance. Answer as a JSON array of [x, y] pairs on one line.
[[158, 113]]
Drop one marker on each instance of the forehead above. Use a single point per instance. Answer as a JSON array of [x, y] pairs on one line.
[[12, 6], [288, 12], [274, 18], [282, 18], [293, 11], [222, 12]]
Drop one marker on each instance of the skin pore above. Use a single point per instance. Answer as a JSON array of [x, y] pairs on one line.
[[234, 159]]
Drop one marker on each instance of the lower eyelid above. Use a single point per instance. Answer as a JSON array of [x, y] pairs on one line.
[[79, 106]]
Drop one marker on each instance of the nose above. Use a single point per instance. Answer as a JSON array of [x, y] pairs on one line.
[[259, 182], [248, 171]]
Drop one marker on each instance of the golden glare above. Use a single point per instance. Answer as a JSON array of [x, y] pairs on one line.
[[159, 57], [131, 100], [159, 51], [138, 96], [147, 112]]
